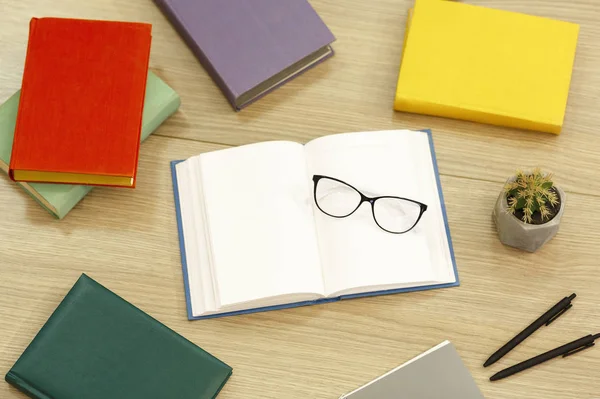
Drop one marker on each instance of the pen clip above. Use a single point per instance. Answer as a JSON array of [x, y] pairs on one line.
[[579, 349], [559, 314]]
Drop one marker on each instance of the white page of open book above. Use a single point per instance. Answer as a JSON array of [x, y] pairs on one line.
[[197, 251], [260, 218], [438, 237], [356, 255]]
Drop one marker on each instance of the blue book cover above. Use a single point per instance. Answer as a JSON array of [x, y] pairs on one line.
[[322, 300]]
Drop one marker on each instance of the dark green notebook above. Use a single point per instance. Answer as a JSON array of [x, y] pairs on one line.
[[98, 346]]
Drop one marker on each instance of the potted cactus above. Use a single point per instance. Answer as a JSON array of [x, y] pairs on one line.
[[528, 211]]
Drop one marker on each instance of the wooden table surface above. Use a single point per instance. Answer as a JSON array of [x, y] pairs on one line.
[[127, 240]]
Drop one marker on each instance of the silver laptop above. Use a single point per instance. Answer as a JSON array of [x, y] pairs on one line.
[[438, 373]]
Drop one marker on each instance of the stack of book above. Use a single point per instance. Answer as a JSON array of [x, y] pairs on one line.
[[87, 101]]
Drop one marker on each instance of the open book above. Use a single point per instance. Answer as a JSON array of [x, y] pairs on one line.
[[279, 224]]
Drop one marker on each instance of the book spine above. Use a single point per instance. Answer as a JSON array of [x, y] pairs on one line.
[[222, 385], [13, 158], [141, 117], [24, 387], [171, 14]]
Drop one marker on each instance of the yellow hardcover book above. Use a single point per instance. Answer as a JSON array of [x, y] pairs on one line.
[[498, 67]]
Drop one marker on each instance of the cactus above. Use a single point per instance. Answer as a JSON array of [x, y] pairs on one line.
[[531, 193]]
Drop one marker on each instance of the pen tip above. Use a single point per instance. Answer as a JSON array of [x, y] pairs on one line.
[[573, 296], [493, 378], [488, 363]]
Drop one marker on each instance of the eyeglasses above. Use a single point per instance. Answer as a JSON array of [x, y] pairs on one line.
[[339, 199]]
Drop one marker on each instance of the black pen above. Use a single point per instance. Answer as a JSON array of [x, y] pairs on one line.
[[547, 318], [564, 351]]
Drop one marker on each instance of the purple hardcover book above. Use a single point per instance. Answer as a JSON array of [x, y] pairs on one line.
[[250, 47]]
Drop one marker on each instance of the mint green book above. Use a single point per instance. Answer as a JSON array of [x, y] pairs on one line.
[[161, 102]]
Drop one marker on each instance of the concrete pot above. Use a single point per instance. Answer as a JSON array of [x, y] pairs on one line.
[[514, 232]]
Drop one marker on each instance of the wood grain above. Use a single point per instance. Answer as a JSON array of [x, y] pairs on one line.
[[126, 239]]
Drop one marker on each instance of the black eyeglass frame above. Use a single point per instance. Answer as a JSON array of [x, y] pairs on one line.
[[363, 199]]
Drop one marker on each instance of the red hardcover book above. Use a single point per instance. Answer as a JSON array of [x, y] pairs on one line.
[[80, 112]]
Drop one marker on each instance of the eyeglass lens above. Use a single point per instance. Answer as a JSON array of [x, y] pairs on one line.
[[340, 200]]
